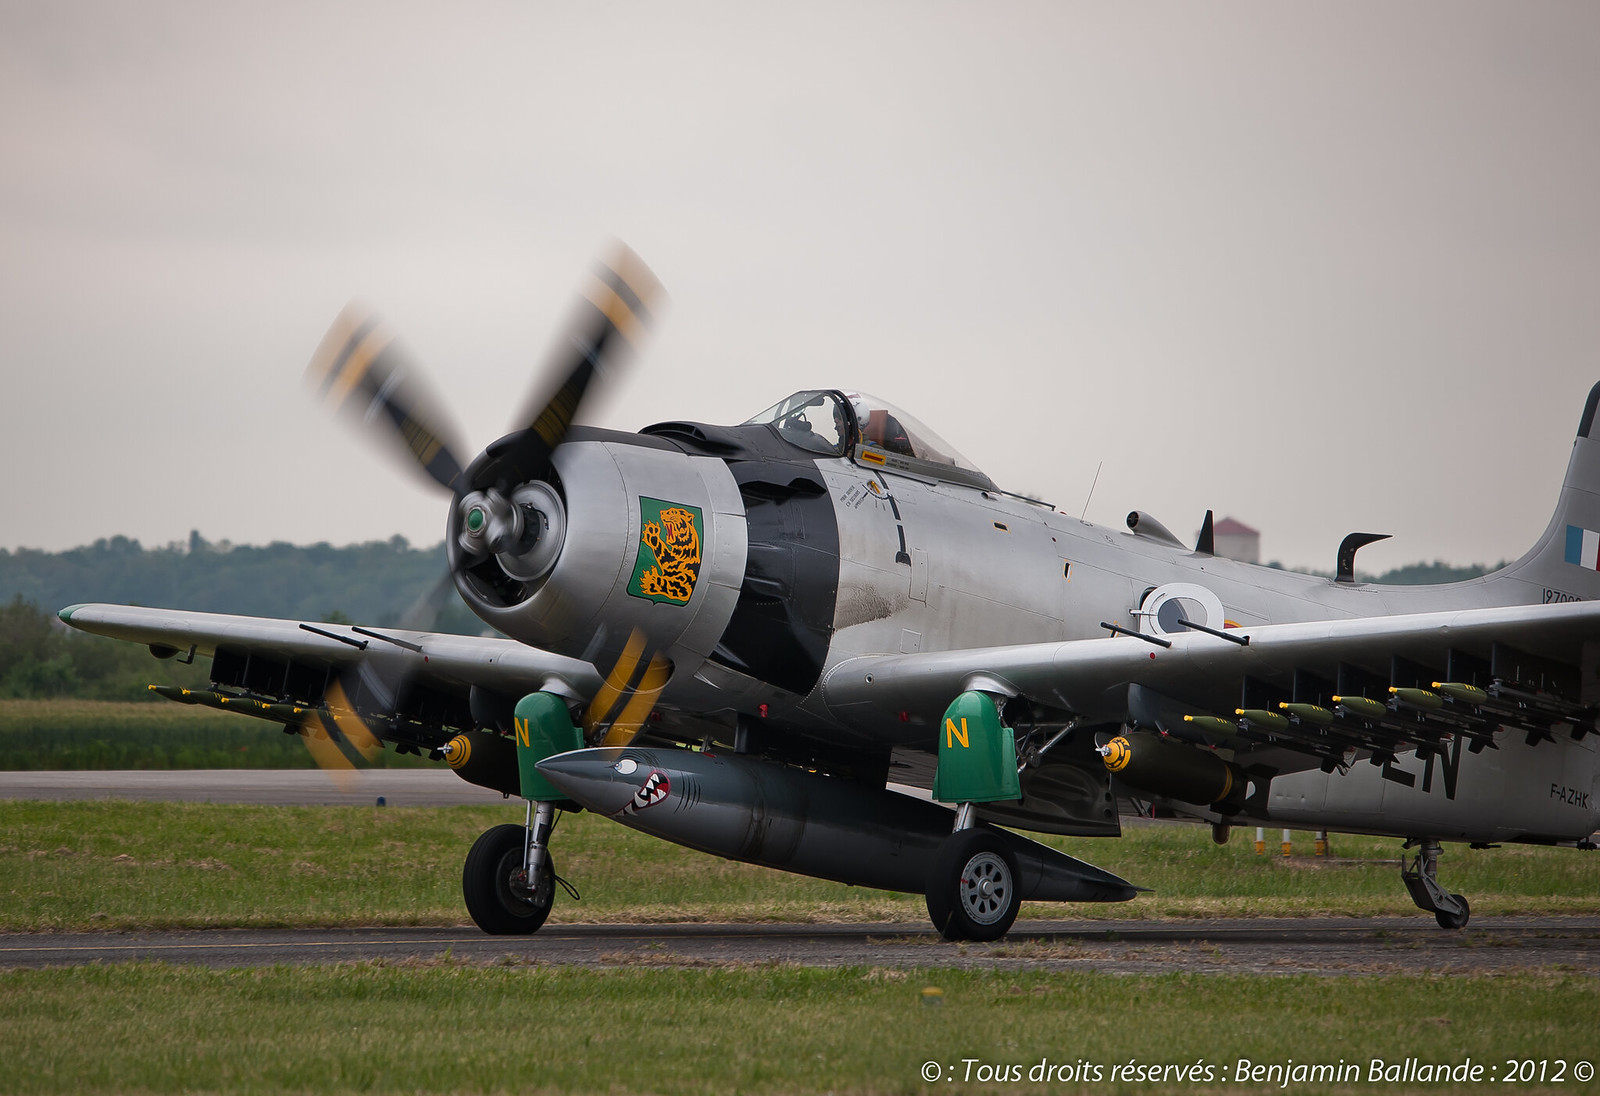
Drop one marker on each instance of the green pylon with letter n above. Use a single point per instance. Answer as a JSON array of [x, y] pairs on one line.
[[977, 756], [543, 729]]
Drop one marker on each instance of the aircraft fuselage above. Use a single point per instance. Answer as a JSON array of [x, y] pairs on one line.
[[805, 560]]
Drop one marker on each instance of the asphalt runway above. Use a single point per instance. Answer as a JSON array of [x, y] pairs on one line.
[[1322, 946]]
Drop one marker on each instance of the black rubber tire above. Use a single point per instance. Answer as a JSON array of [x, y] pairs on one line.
[[972, 890], [1454, 920], [486, 884]]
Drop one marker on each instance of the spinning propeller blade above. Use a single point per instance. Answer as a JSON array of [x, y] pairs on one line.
[[350, 723], [360, 368], [322, 740], [624, 702], [326, 753], [423, 616], [606, 325]]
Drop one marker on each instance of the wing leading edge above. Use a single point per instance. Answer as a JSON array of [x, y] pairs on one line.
[[422, 682]]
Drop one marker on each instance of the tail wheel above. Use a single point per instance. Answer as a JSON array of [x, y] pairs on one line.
[[496, 887], [972, 890], [1454, 920]]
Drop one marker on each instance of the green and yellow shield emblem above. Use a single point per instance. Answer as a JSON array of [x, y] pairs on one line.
[[668, 564]]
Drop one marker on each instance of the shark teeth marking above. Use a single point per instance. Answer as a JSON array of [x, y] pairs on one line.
[[656, 787]]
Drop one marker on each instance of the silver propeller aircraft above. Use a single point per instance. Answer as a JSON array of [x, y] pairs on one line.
[[735, 637]]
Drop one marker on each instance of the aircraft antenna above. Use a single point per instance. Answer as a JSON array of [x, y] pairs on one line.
[[1084, 516]]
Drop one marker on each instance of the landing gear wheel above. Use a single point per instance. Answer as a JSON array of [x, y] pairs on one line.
[[1420, 874], [972, 889], [495, 885], [1454, 920]]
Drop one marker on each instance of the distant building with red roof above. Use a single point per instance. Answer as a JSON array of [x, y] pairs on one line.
[[1236, 540]]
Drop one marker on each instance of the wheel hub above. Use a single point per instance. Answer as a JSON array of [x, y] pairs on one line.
[[517, 884], [985, 888]]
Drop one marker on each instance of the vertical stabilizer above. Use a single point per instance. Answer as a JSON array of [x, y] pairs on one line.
[[1566, 561]]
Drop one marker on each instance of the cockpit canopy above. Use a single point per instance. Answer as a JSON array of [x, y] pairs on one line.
[[872, 431]]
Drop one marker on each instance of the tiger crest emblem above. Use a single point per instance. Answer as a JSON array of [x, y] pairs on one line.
[[668, 564]]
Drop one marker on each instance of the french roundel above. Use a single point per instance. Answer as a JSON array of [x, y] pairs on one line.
[[1166, 607]]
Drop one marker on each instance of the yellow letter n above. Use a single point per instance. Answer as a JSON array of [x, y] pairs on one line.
[[522, 731], [952, 732]]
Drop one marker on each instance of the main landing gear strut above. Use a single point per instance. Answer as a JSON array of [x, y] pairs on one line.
[[509, 881], [1421, 877], [972, 889]]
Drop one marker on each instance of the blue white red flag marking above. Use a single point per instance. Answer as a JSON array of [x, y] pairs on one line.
[[1583, 547]]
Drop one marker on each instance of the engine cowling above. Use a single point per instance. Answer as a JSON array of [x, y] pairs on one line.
[[616, 539]]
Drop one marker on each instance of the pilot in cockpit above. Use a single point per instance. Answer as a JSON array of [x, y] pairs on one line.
[[841, 423], [879, 428]]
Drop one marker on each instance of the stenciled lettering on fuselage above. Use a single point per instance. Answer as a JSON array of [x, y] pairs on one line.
[[1572, 797], [877, 492], [1447, 761], [668, 564]]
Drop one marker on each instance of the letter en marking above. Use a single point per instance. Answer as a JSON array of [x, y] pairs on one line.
[[951, 733]]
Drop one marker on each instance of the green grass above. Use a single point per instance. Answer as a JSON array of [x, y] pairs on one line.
[[122, 865], [85, 865], [97, 734], [441, 1025], [1192, 877], [448, 1027]]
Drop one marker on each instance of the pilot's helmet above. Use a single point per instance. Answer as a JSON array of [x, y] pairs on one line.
[[859, 406]]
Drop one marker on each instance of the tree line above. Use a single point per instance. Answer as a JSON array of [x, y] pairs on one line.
[[373, 584], [42, 657]]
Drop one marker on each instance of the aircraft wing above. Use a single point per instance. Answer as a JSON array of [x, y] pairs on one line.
[[421, 679], [1535, 667]]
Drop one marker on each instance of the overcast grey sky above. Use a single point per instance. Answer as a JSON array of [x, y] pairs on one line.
[[1321, 268]]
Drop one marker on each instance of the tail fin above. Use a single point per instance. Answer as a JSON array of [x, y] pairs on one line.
[[1565, 563]]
